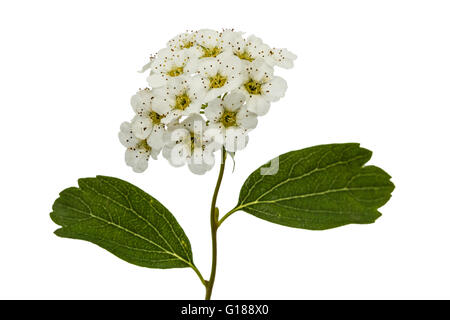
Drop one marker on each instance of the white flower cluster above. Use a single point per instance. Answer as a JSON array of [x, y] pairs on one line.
[[206, 90]]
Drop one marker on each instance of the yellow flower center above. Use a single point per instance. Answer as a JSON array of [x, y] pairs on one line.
[[182, 101], [244, 56], [228, 119], [196, 141], [144, 145], [156, 118], [211, 52], [187, 44], [217, 81], [253, 87], [176, 71]]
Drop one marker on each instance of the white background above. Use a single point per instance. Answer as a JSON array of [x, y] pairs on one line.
[[374, 72]]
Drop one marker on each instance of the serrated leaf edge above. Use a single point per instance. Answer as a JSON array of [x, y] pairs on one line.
[[90, 214]]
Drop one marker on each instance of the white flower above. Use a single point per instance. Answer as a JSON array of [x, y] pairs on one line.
[[230, 121], [253, 47], [281, 57], [138, 151], [220, 75], [261, 87], [209, 44], [248, 49], [182, 41], [170, 64], [181, 95], [203, 43], [147, 124], [142, 100], [186, 144]]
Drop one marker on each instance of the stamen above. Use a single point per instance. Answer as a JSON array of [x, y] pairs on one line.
[[176, 71], [187, 45], [156, 118], [211, 52], [253, 87], [244, 55], [228, 119], [195, 141], [218, 81], [182, 101], [144, 145]]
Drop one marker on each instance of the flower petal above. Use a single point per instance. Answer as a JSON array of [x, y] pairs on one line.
[[194, 123], [141, 101], [137, 159], [257, 104], [156, 137], [199, 169], [229, 66], [214, 110], [208, 38], [215, 135], [141, 126], [177, 154], [235, 139], [126, 136], [246, 119], [172, 116], [260, 71], [275, 89], [207, 68], [234, 100], [156, 80]]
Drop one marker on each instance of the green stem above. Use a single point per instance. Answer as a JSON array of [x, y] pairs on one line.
[[214, 227]]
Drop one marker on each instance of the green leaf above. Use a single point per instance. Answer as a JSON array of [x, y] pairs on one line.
[[317, 188], [124, 220]]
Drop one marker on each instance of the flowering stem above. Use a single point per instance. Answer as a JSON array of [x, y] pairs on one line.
[[214, 227]]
